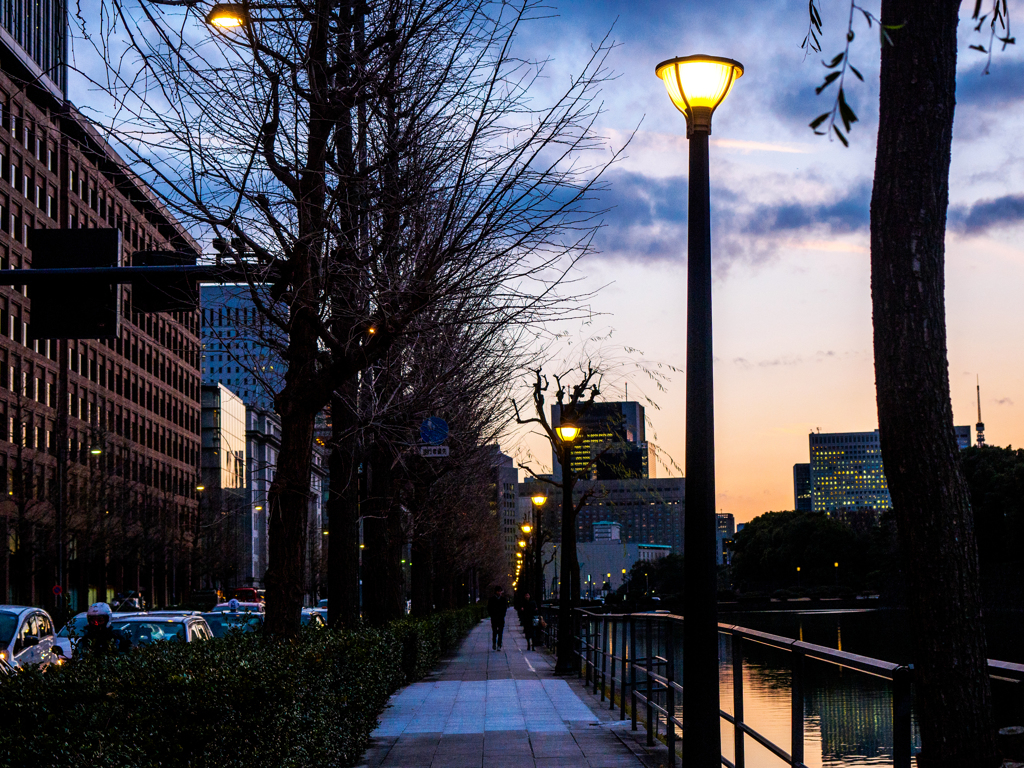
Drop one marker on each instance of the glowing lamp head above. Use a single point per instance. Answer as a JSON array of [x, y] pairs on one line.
[[567, 432], [200, 487], [697, 85], [95, 451], [522, 543], [526, 528], [227, 16], [538, 499]]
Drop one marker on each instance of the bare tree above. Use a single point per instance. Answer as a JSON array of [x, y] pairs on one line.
[[373, 161]]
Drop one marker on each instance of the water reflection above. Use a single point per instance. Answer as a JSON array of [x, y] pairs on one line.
[[847, 714]]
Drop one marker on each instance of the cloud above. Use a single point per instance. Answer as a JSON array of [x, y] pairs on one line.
[[784, 361], [984, 215], [1004, 401], [848, 213], [1001, 87]]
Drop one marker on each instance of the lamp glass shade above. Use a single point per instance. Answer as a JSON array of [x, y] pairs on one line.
[[538, 498], [698, 84], [227, 15], [200, 487], [526, 527], [567, 432], [522, 543]]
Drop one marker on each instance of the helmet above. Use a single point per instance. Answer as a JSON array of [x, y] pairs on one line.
[[233, 604], [98, 614]]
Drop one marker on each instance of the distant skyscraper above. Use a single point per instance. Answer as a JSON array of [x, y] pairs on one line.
[[725, 533], [802, 487], [612, 442], [235, 349], [846, 473]]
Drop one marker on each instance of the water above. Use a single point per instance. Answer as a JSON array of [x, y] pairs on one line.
[[848, 715]]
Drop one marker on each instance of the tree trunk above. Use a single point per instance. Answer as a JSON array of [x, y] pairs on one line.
[[343, 512], [289, 508], [922, 463]]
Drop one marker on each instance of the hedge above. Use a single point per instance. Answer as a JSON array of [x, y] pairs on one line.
[[247, 701]]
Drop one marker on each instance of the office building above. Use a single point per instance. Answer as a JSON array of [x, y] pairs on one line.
[[131, 400], [846, 473], [612, 443], [725, 532], [507, 507], [646, 511], [605, 563], [802, 496], [263, 443], [236, 350]]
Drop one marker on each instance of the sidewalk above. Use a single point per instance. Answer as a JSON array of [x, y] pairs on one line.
[[501, 709]]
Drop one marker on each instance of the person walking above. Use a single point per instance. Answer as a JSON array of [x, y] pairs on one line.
[[531, 618], [496, 607]]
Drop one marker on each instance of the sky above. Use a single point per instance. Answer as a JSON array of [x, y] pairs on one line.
[[792, 306], [791, 293]]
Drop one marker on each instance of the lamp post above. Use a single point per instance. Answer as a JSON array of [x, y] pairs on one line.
[[568, 589], [538, 500], [697, 85]]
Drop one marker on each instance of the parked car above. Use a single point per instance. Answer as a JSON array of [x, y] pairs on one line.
[[72, 632], [223, 623], [144, 630], [26, 635], [312, 618], [238, 605]]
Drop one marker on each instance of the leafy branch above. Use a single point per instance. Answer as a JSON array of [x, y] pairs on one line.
[[998, 20], [825, 124], [838, 67]]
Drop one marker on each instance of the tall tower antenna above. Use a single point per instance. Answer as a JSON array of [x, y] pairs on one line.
[[979, 428]]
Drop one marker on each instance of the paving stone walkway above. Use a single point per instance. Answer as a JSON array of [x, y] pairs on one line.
[[500, 709]]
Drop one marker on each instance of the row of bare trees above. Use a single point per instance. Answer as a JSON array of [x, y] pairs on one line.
[[405, 208]]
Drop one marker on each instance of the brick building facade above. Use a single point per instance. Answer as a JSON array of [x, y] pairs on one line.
[[132, 402]]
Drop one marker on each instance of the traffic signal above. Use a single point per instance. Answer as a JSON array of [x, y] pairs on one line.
[[165, 293], [76, 307]]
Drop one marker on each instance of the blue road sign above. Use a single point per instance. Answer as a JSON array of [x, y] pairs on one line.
[[434, 430]]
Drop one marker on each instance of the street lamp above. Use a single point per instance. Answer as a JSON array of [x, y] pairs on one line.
[[228, 15], [539, 499], [567, 433], [526, 528], [697, 85]]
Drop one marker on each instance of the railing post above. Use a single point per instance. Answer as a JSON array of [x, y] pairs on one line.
[[670, 694], [737, 699], [611, 645], [632, 666], [585, 647], [652, 724], [901, 734], [798, 706], [603, 638]]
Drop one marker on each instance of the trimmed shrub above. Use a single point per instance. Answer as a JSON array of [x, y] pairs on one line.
[[247, 701]]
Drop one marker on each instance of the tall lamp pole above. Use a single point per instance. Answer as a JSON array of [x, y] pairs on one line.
[[697, 85], [538, 500]]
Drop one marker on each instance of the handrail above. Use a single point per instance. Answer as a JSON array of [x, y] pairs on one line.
[[606, 646]]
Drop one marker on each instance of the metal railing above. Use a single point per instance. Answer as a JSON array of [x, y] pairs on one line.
[[616, 668]]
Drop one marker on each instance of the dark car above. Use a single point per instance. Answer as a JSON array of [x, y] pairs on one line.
[[224, 623], [143, 630]]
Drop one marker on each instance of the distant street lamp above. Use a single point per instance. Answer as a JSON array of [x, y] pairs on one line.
[[697, 85]]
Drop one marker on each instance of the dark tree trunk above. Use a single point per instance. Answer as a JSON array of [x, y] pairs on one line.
[[381, 577], [922, 464], [343, 513], [422, 576], [286, 534]]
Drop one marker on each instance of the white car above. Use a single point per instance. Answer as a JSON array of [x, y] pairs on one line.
[[144, 630], [26, 636], [72, 632]]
